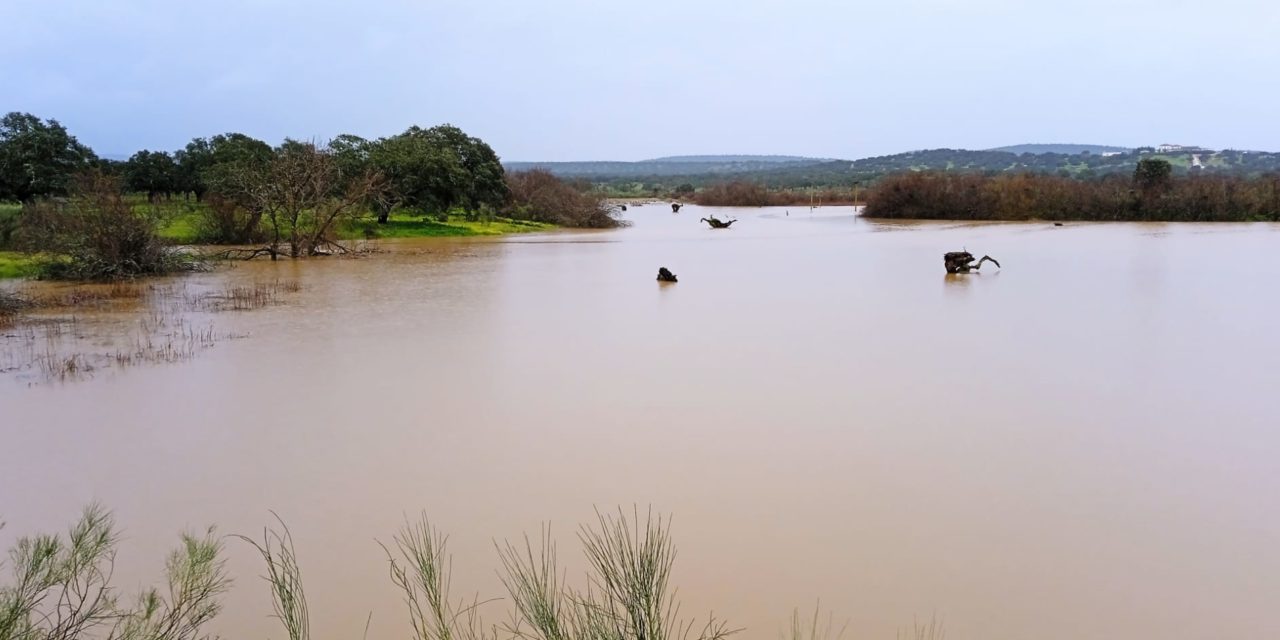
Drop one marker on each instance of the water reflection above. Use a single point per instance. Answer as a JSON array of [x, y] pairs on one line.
[[957, 280]]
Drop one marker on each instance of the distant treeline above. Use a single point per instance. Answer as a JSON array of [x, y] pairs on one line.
[[657, 178], [1151, 193], [670, 166], [741, 193]]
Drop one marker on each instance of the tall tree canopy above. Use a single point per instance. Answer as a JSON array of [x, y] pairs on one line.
[[38, 158], [206, 164], [152, 172], [431, 170]]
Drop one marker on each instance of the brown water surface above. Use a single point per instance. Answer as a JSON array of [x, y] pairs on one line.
[[1082, 444]]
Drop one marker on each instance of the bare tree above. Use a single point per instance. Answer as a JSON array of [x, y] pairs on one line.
[[303, 197]]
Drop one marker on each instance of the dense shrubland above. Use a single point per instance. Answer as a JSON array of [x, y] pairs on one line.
[[1152, 193], [541, 197], [94, 234]]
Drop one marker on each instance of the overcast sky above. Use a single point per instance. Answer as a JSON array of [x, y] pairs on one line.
[[595, 80]]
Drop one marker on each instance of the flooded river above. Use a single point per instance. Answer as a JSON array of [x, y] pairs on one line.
[[1082, 444]]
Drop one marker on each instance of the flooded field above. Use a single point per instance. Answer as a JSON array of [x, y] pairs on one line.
[[1081, 444]]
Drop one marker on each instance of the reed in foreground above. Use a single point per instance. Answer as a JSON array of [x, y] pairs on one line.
[[61, 587]]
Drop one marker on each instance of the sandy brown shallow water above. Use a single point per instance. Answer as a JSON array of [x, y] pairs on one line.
[[1082, 444]]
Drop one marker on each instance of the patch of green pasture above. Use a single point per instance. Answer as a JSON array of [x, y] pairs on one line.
[[414, 226], [17, 265]]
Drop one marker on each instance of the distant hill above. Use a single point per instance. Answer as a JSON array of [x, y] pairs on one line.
[[672, 166], [1064, 149], [662, 175], [724, 159]]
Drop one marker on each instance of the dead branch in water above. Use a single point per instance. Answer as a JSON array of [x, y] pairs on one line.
[[962, 262]]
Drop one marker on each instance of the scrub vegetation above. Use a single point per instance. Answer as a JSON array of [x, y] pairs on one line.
[[60, 587], [1153, 192]]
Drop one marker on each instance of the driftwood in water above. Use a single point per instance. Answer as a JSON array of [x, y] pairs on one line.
[[675, 207], [962, 262], [717, 223], [665, 275], [275, 252]]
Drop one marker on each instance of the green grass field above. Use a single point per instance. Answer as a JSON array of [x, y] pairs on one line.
[[16, 265], [414, 226], [179, 223]]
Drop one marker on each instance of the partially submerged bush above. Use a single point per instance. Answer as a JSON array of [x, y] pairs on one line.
[[539, 196], [225, 221], [10, 304], [96, 235]]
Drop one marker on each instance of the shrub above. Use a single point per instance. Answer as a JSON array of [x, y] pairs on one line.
[[62, 589], [9, 215], [539, 196], [96, 235], [224, 221]]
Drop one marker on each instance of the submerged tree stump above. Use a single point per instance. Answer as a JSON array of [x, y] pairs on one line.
[[665, 275], [962, 262], [716, 223]]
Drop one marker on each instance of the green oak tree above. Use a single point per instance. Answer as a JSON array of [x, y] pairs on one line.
[[38, 158], [152, 172]]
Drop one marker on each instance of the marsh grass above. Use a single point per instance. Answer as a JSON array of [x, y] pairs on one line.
[[11, 304], [284, 577], [421, 568], [59, 587], [64, 333], [931, 630], [814, 628], [627, 595], [248, 297]]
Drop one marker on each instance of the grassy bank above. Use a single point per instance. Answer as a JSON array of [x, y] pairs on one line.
[[413, 226], [179, 222], [16, 265], [183, 226]]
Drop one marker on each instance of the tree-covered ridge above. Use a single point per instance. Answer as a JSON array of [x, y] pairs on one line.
[[1068, 149], [671, 166], [665, 177], [776, 159]]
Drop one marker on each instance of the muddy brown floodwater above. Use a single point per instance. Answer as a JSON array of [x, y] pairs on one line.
[[1082, 444]]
